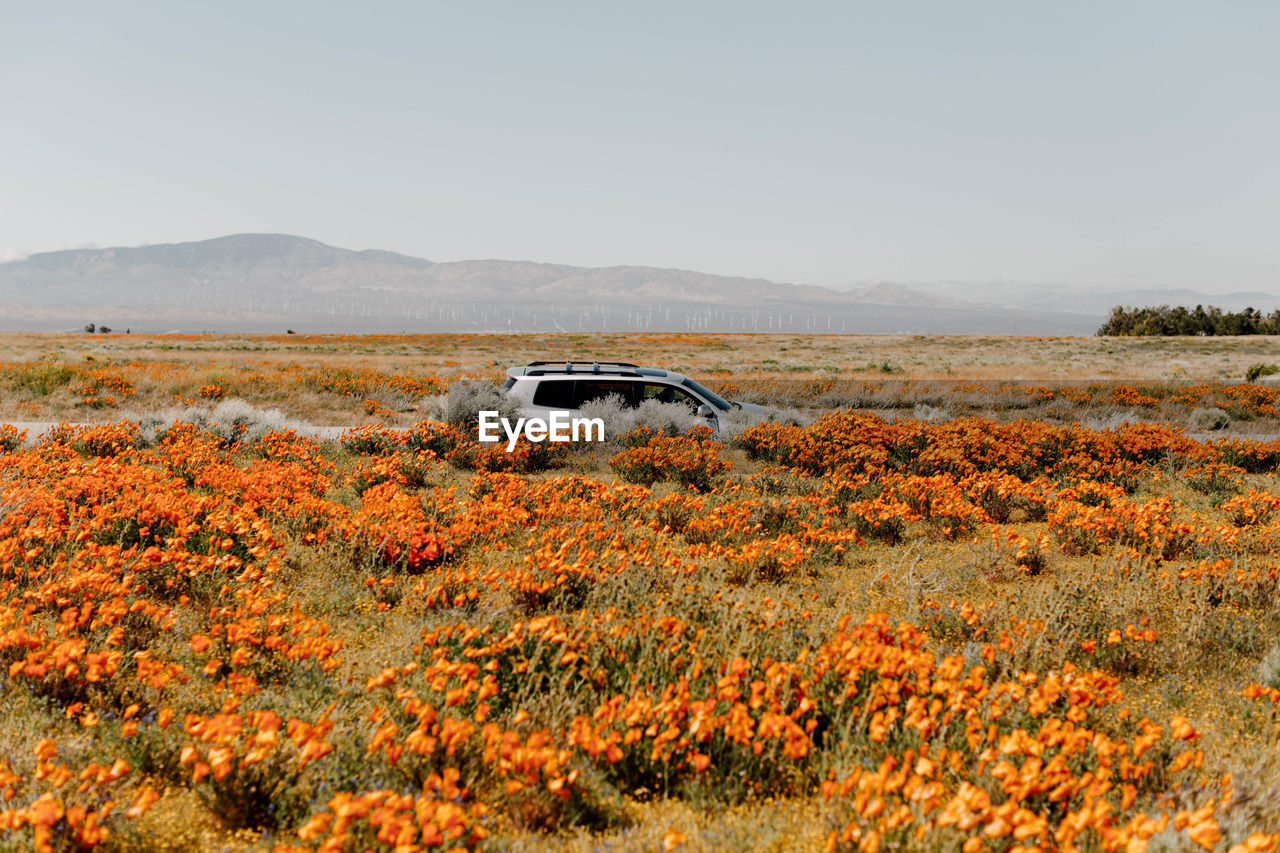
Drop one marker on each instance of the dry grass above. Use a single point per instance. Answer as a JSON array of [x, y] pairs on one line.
[[861, 356]]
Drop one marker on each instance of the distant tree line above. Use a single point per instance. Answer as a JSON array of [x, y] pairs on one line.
[[1152, 322]]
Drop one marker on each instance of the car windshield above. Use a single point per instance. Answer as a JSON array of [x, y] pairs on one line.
[[714, 398]]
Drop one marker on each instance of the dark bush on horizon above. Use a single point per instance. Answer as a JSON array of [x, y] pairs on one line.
[[1179, 320]]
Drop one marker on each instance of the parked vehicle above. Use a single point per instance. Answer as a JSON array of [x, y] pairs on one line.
[[542, 387]]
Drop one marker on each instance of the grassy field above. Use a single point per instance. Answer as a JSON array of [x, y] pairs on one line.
[[344, 380], [951, 600]]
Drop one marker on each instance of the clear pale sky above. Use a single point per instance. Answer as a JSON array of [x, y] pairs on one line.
[[1091, 144]]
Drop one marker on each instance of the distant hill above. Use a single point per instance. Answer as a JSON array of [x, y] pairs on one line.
[[1058, 298], [1106, 300], [267, 282]]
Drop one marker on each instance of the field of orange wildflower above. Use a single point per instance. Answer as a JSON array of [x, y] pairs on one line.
[[869, 632]]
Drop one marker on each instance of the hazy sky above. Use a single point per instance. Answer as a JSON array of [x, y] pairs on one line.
[[1109, 143]]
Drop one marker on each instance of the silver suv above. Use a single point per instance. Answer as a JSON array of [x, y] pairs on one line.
[[542, 387]]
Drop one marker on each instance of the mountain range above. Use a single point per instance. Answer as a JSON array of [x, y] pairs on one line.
[[269, 282]]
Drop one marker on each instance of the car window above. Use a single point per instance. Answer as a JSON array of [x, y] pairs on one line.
[[554, 394], [587, 390], [671, 394], [716, 400]]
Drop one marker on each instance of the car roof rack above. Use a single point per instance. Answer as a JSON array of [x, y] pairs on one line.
[[601, 363], [539, 368]]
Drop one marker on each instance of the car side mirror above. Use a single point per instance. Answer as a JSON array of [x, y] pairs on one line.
[[705, 411]]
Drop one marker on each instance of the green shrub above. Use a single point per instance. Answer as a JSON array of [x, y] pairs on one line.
[[1257, 371], [42, 378]]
